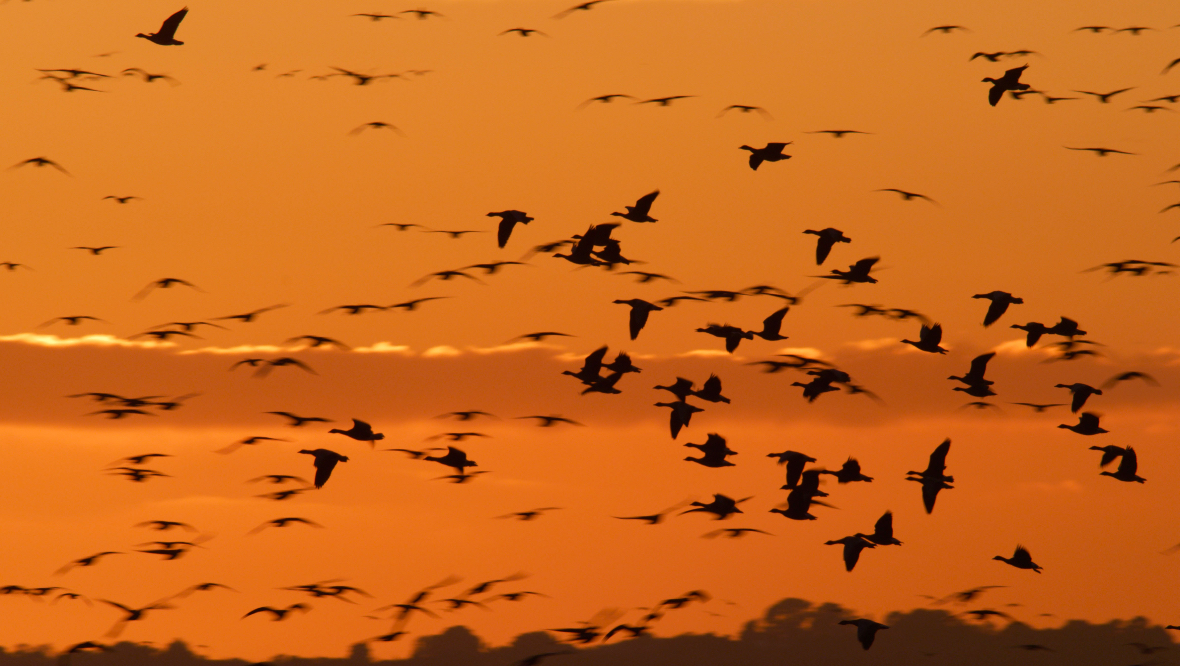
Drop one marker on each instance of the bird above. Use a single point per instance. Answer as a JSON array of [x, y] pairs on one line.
[[96, 250], [1000, 300], [733, 532], [283, 522], [850, 472], [1009, 81], [974, 376], [1020, 559], [1127, 376], [933, 478], [454, 458], [710, 391], [605, 99], [1080, 392], [882, 531], [858, 272], [772, 152], [746, 108], [41, 162], [640, 211], [163, 283], [853, 545], [550, 420], [907, 195], [166, 36], [1128, 467], [87, 561], [248, 317], [73, 320], [360, 431], [148, 77], [524, 32], [721, 507], [318, 341], [1101, 152], [278, 614], [795, 463], [121, 200], [713, 452], [640, 309], [528, 515], [1104, 98], [827, 238], [928, 339], [325, 462], [297, 421], [944, 29], [866, 630], [664, 101], [508, 220], [838, 134], [585, 6]]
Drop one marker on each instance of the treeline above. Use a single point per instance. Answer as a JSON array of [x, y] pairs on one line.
[[793, 631]]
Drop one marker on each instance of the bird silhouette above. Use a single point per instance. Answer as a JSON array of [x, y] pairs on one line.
[[858, 272], [882, 531], [772, 152], [866, 630], [166, 36], [1104, 98], [640, 211], [360, 431], [933, 478], [640, 309], [853, 545], [325, 462], [713, 452], [928, 339], [508, 220], [906, 195], [1020, 559], [1009, 81], [1000, 300], [41, 162], [1128, 467], [827, 238]]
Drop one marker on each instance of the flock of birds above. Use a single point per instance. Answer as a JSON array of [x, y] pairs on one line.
[[597, 247]]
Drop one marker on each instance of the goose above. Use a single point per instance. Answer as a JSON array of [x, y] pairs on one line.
[[325, 462], [1128, 467], [1009, 81], [928, 339], [772, 152], [714, 452], [1081, 392], [1020, 559], [711, 390], [166, 36], [852, 547], [827, 238], [882, 531], [1000, 300], [360, 431], [866, 630], [639, 212], [640, 309]]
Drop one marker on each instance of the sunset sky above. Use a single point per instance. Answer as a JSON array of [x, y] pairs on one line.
[[254, 188]]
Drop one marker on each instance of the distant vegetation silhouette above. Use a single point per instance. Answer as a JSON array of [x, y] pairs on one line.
[[793, 629]]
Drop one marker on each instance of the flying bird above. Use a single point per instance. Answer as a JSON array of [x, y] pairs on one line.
[[325, 462], [827, 238], [166, 36], [772, 152], [1009, 81], [640, 211], [1020, 559]]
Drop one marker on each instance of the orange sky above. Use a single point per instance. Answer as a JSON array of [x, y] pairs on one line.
[[254, 190]]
